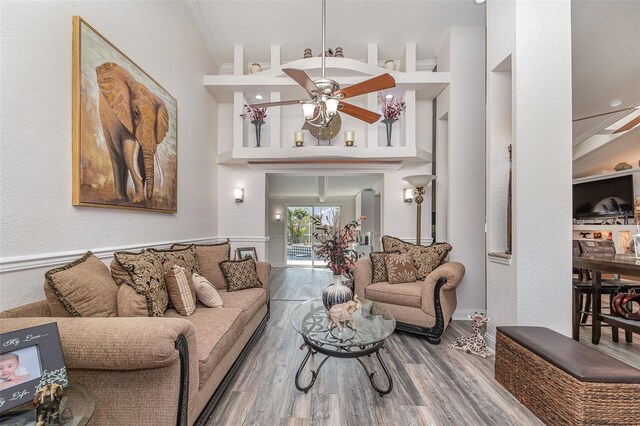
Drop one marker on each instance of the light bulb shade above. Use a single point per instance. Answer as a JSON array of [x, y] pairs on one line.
[[408, 195], [278, 217], [332, 106], [298, 136], [349, 135], [419, 181], [238, 194], [308, 109]]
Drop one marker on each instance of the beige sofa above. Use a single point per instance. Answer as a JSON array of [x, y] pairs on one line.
[[156, 371], [423, 307]]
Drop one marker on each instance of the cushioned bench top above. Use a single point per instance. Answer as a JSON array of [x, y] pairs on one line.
[[582, 362]]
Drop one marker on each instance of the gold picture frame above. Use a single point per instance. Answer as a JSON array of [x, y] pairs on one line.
[[125, 130]]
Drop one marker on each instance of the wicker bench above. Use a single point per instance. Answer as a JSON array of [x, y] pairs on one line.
[[564, 382]]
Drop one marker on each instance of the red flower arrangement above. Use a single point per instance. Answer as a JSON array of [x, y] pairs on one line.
[[258, 114], [391, 108], [334, 244]]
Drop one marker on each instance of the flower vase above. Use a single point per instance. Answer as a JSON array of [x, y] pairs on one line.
[[258, 124], [336, 293], [389, 123]]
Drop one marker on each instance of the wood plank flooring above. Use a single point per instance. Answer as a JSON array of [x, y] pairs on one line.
[[433, 385]]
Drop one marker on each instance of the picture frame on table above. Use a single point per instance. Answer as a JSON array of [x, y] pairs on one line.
[[31, 358], [246, 252]]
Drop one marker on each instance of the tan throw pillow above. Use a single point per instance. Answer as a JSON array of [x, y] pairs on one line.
[[131, 303], [379, 267], [210, 257], [425, 258], [185, 257], [83, 287], [142, 271], [240, 274], [400, 268], [206, 292], [181, 290]]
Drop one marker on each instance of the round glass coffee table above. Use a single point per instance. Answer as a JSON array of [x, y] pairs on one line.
[[373, 324]]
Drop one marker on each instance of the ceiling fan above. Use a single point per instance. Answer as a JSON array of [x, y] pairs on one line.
[[630, 125], [326, 96]]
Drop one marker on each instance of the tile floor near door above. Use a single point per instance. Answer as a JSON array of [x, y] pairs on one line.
[[433, 385]]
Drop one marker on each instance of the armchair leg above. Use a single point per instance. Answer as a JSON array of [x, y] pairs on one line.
[[434, 333]]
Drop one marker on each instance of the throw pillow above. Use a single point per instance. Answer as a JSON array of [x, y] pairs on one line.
[[185, 257], [131, 303], [425, 258], [379, 266], [83, 287], [210, 257], [181, 290], [142, 271], [400, 268], [240, 274], [206, 292]]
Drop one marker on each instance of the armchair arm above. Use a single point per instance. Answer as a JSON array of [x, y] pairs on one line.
[[264, 269], [363, 276], [116, 343], [451, 274]]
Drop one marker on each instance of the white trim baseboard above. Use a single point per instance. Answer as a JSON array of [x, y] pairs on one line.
[[53, 259], [463, 314], [491, 342]]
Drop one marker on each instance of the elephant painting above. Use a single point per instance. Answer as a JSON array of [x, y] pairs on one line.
[[125, 130], [134, 122]]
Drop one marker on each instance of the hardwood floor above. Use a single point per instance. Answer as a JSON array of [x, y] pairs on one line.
[[433, 385]]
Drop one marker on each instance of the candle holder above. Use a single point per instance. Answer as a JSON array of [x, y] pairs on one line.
[[349, 138]]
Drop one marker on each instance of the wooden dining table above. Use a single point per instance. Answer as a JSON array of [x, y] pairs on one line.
[[622, 264]]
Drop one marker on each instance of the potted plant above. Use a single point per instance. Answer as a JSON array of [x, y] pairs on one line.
[[257, 116], [333, 245], [391, 109]]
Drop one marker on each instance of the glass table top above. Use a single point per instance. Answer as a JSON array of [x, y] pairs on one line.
[[373, 324]]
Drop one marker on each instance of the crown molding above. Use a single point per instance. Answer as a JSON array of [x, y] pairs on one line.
[[421, 65]]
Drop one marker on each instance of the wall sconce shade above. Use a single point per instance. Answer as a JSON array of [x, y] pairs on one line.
[[238, 194], [278, 217], [408, 195]]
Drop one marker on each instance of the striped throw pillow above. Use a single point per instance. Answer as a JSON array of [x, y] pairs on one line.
[[181, 290]]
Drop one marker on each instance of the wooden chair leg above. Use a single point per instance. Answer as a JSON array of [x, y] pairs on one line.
[[587, 308], [614, 334], [628, 336]]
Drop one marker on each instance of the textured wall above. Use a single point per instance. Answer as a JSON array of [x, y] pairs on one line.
[[36, 216]]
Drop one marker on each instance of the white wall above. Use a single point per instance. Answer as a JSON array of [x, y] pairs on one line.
[[461, 145], [36, 215]]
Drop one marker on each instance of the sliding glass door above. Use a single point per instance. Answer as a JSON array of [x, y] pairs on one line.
[[299, 233]]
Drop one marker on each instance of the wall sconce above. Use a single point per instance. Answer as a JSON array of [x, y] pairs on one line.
[[238, 194], [278, 217], [408, 195], [349, 137], [298, 138]]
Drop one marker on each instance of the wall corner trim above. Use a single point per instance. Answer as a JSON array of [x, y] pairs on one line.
[[500, 258]]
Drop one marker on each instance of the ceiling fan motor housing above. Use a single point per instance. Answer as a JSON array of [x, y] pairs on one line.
[[327, 86]]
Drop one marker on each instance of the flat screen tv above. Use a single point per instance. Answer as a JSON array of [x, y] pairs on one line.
[[603, 198]]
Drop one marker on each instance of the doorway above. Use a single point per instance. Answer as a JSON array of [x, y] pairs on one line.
[[299, 233]]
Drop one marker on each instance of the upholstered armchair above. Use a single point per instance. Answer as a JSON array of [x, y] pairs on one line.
[[422, 307]]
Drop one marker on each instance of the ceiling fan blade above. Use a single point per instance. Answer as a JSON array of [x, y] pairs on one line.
[[359, 113], [302, 79], [279, 103], [630, 125], [381, 82]]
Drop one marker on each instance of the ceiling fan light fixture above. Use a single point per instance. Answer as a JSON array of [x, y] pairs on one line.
[[308, 108], [332, 106]]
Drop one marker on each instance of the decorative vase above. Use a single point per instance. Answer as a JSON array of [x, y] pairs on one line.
[[336, 293], [307, 53], [338, 53], [254, 68], [258, 124], [390, 64], [389, 123]]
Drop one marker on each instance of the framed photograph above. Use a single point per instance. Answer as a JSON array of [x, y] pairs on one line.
[[125, 130], [29, 359], [246, 252]]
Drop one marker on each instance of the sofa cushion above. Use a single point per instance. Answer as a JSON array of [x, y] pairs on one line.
[[216, 331], [131, 303], [403, 294], [186, 257], [206, 292], [379, 267], [240, 274], [400, 268], [142, 271], [83, 287], [181, 291], [425, 258], [249, 300], [210, 256]]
